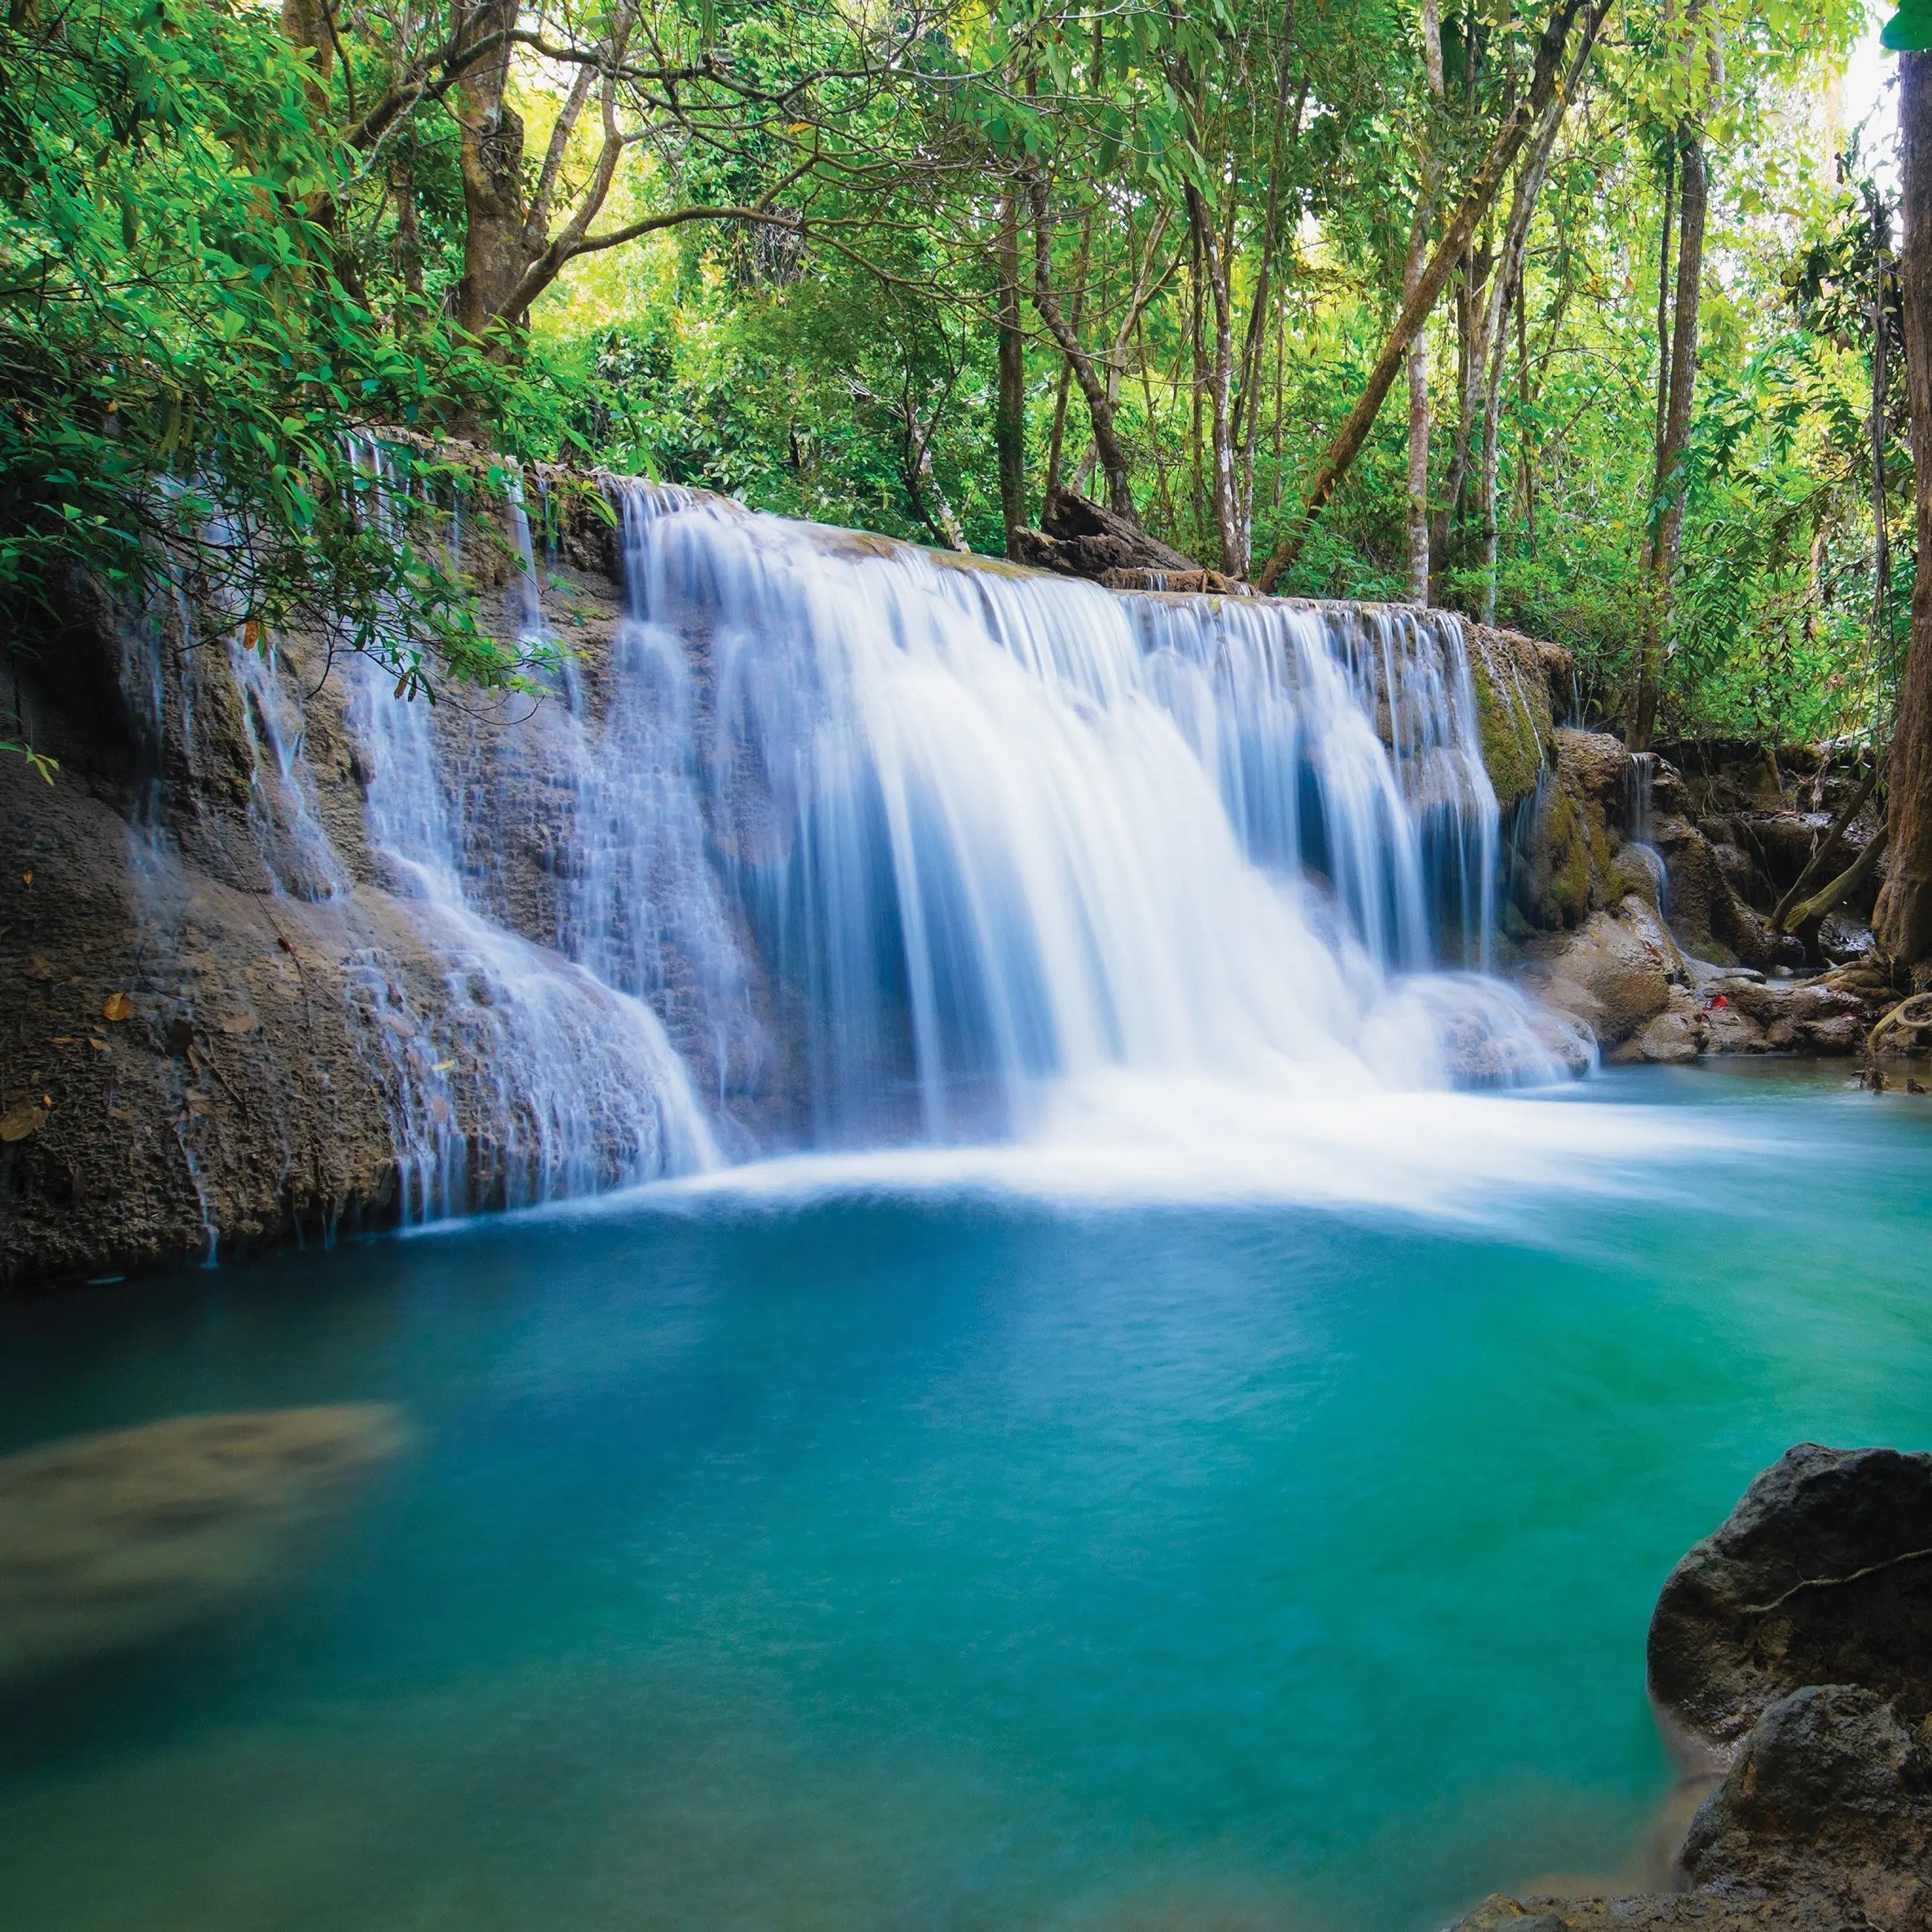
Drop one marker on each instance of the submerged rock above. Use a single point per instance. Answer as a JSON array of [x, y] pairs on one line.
[[108, 1542]]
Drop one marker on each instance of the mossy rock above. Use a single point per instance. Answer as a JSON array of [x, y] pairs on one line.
[[1511, 676]]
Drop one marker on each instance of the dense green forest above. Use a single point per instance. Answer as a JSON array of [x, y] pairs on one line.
[[912, 268]]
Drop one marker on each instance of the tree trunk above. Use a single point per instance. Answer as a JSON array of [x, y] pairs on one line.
[[1428, 180], [1474, 308], [409, 228], [1666, 235], [1220, 369], [1099, 407], [494, 258], [1904, 915], [1009, 416], [1492, 397], [1247, 402], [1666, 517], [1477, 202]]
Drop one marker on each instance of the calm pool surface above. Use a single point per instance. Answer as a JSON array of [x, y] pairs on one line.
[[943, 1560]]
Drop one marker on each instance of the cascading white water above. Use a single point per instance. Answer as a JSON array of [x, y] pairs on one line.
[[575, 1077], [841, 844], [991, 832]]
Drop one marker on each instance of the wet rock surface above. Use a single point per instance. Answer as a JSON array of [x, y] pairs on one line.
[[1795, 1645], [109, 1542]]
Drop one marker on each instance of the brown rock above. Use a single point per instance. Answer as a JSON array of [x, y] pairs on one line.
[[1615, 975], [1822, 1574]]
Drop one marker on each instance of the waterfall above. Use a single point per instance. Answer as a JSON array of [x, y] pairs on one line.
[[572, 1083], [989, 831], [828, 843], [1639, 788]]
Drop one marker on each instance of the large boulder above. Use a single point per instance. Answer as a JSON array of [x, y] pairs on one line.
[[1564, 833], [1822, 1574], [1616, 975], [1522, 686]]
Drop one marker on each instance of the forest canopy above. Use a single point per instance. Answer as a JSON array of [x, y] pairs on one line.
[[915, 269]]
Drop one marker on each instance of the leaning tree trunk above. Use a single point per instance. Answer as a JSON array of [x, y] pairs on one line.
[[1666, 517], [1223, 496], [1477, 199], [1099, 404], [1904, 915]]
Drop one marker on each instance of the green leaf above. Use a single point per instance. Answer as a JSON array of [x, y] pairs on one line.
[[1909, 30]]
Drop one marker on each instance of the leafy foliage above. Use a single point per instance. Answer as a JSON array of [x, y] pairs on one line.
[[227, 243]]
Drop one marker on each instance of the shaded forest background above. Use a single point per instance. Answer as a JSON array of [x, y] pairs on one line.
[[911, 268]]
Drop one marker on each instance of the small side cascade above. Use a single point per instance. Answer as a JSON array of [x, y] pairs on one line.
[[1640, 785], [528, 1079], [531, 627]]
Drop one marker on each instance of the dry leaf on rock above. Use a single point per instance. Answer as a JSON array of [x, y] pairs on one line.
[[117, 1006], [17, 1122]]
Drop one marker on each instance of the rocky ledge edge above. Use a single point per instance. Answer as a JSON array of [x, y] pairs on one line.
[[1790, 1663]]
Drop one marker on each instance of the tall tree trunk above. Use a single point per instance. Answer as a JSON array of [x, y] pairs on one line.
[[1666, 517], [1476, 201], [492, 154], [1474, 309], [1428, 180], [1010, 415], [1904, 915], [409, 232], [1286, 137], [1881, 387], [1666, 235], [1493, 399], [1218, 383]]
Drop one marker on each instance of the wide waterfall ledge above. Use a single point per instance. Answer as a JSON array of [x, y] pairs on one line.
[[810, 844]]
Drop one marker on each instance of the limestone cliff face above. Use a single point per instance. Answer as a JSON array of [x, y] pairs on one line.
[[225, 1021]]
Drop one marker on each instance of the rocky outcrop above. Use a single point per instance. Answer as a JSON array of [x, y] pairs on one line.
[[1079, 539], [108, 1542], [1619, 974], [225, 1019], [1624, 974], [1794, 1644], [1822, 1574], [1522, 687]]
